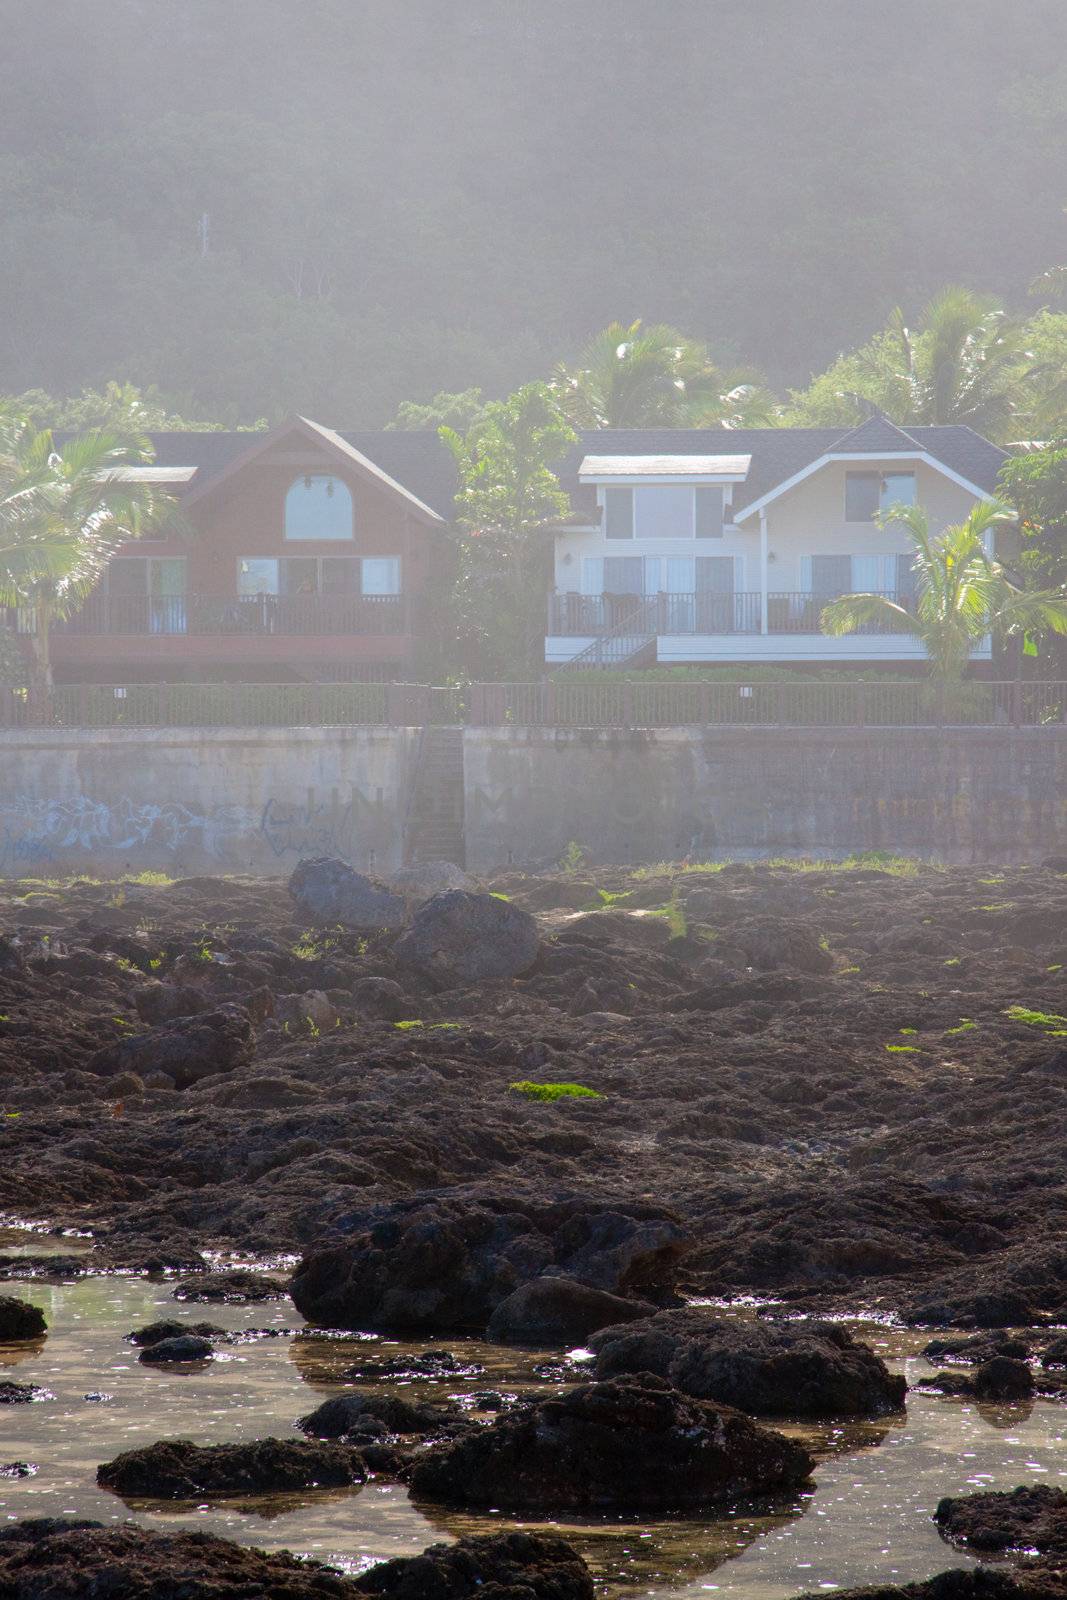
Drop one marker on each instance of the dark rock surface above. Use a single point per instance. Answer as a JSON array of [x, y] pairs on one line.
[[20, 1320], [181, 1347], [346, 1414], [17, 1394], [50, 1558], [236, 1287], [327, 891], [155, 1332], [461, 937], [444, 1263], [559, 1311], [630, 1445], [1032, 1517], [507, 1566], [177, 1469], [766, 1369], [186, 1050]]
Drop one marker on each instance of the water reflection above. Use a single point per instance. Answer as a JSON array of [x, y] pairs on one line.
[[866, 1521]]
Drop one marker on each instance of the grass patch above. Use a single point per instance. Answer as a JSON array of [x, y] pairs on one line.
[[903, 1049], [547, 1092], [414, 1023], [1053, 1024], [965, 1025]]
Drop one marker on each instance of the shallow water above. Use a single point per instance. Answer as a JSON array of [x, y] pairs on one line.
[[867, 1520]]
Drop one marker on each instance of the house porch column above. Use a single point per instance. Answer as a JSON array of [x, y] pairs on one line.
[[763, 572]]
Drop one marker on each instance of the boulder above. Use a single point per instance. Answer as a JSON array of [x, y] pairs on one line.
[[631, 1445], [1003, 1378], [770, 943], [181, 1347], [1028, 1518], [786, 1369], [177, 1469], [427, 878], [327, 891], [157, 1002], [459, 937], [186, 1050], [348, 1414], [382, 998], [60, 1557], [312, 1009], [20, 1320], [234, 1288], [503, 1566], [559, 1311], [443, 1262], [156, 1332], [19, 1394]]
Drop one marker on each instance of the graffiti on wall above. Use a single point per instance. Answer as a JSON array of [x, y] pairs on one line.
[[41, 831]]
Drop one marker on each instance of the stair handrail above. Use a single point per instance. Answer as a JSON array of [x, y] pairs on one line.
[[640, 626]]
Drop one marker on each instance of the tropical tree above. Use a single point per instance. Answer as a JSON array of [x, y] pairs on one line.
[[638, 377], [64, 511], [965, 362], [508, 494], [962, 592]]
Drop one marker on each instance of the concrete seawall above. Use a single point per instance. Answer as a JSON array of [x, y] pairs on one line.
[[254, 801]]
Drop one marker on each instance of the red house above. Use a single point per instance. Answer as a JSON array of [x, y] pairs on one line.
[[300, 557]]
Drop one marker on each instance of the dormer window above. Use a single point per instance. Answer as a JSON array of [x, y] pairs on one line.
[[663, 511], [319, 506], [867, 494]]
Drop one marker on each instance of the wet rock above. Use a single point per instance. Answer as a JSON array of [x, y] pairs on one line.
[[234, 1288], [1003, 1378], [505, 1566], [1055, 1353], [18, 1469], [795, 1368], [559, 1311], [381, 997], [186, 1050], [976, 1348], [18, 1394], [1028, 1518], [430, 1364], [69, 1560], [181, 1347], [459, 937], [177, 1469], [20, 1320], [327, 891], [347, 1414], [427, 878], [629, 1445], [998, 1308], [443, 1263]]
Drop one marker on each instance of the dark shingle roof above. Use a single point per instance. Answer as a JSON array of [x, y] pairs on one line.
[[424, 466]]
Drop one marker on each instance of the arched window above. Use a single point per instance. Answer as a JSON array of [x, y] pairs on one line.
[[318, 506]]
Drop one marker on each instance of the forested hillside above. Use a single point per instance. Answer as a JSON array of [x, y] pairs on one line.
[[262, 206]]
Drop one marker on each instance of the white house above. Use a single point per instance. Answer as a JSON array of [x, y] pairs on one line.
[[715, 546]]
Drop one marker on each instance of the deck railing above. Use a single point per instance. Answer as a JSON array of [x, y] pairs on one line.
[[578, 615], [199, 615], [600, 702]]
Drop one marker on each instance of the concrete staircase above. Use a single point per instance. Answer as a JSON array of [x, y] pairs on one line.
[[434, 830]]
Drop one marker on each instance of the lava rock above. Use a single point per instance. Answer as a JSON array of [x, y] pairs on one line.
[[177, 1469], [459, 937], [185, 1347], [1003, 1378], [187, 1049], [770, 943], [559, 1311], [427, 878], [1028, 1518], [18, 1394], [429, 1364], [328, 891], [382, 998], [235, 1288], [504, 1566], [156, 1332], [443, 1263], [74, 1560], [347, 1414], [794, 1368], [629, 1445], [157, 1002], [20, 1320], [977, 1348]]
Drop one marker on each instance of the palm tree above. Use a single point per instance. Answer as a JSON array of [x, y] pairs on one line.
[[638, 377], [962, 592], [64, 511]]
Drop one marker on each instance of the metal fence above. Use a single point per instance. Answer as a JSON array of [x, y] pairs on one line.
[[560, 703]]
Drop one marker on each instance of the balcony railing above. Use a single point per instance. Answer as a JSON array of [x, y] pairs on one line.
[[105, 614], [578, 615]]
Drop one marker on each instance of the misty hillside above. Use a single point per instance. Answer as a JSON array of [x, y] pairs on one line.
[[333, 206]]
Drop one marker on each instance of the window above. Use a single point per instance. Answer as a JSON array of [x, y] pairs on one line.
[[831, 576], [147, 590], [624, 575], [618, 513], [256, 577], [381, 575], [868, 493], [663, 511], [318, 507], [709, 512], [340, 575]]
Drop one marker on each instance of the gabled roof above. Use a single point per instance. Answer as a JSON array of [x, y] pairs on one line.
[[332, 443], [876, 436]]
